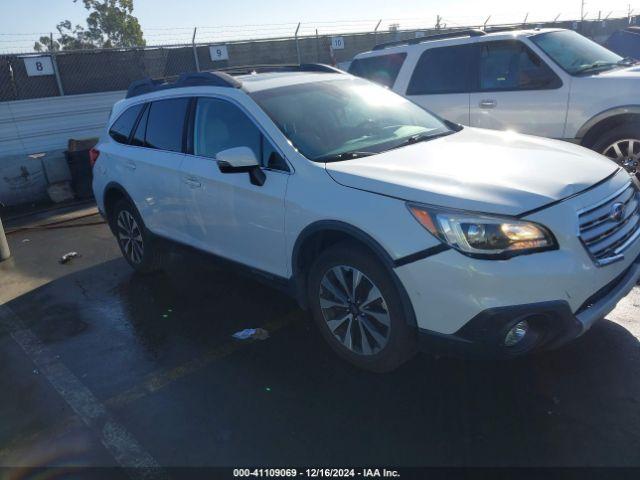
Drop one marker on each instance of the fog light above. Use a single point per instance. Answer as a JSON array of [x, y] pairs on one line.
[[516, 334]]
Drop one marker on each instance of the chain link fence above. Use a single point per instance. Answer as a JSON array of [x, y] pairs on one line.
[[26, 76]]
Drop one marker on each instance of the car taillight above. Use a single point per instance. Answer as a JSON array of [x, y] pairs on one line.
[[94, 153]]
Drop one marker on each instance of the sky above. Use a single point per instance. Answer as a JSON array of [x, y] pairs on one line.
[[172, 21]]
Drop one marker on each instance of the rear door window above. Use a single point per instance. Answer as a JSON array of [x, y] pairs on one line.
[[382, 69], [121, 128], [165, 124], [443, 70]]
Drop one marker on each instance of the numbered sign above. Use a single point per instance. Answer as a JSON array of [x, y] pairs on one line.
[[218, 52], [37, 66], [337, 43]]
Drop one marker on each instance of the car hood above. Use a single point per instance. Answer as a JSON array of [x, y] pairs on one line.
[[628, 72], [480, 170]]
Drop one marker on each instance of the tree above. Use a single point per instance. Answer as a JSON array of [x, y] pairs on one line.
[[110, 24]]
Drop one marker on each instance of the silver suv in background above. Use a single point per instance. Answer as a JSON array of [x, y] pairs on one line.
[[549, 82]]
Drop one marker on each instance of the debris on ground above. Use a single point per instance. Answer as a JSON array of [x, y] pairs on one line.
[[67, 257], [26, 240], [251, 334]]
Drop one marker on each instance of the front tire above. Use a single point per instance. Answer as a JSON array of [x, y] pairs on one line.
[[358, 309], [622, 145], [136, 243]]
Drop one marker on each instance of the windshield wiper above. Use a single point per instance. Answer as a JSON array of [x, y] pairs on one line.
[[627, 62], [421, 137], [336, 157], [597, 66]]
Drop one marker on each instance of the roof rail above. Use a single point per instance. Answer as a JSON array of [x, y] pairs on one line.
[[195, 79], [303, 67], [506, 28], [429, 38]]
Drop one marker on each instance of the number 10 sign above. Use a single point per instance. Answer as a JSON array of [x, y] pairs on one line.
[[337, 43], [218, 52]]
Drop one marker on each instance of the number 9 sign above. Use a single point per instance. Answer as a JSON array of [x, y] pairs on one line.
[[218, 53]]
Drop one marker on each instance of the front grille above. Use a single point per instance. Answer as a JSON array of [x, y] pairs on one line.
[[611, 226]]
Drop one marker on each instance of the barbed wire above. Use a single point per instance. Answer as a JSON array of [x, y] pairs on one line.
[[23, 42]]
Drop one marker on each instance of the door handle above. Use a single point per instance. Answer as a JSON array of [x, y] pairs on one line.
[[130, 165], [488, 103], [193, 182]]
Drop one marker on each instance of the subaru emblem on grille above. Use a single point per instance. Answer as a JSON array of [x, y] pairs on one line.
[[617, 212]]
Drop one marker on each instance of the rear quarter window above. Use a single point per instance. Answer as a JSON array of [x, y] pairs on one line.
[[382, 69], [121, 128]]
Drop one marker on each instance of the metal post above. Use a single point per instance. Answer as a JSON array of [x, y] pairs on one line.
[[195, 50], [4, 246], [557, 17], [54, 62], [297, 45], [375, 32], [525, 18], [438, 20], [484, 27]]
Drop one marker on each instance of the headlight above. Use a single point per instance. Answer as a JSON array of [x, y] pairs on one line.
[[482, 235]]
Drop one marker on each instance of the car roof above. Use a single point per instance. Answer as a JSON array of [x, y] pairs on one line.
[[461, 40], [265, 81], [249, 83]]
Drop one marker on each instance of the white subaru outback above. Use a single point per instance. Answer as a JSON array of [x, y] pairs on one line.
[[549, 82], [396, 229]]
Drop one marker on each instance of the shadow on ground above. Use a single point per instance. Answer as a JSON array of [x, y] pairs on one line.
[[288, 400]]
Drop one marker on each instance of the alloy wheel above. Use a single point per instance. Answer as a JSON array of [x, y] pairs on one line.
[[626, 153], [130, 237], [354, 309]]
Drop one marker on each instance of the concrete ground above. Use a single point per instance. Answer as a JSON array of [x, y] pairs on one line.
[[102, 367]]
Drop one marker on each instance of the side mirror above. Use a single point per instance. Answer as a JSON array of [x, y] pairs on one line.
[[239, 160]]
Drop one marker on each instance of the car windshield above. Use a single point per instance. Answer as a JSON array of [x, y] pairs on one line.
[[575, 53], [348, 118]]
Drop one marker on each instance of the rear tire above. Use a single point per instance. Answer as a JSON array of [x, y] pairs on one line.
[[622, 145], [138, 246], [358, 309]]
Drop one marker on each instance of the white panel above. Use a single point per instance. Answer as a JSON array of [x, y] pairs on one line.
[[44, 124], [337, 43], [38, 66], [218, 53]]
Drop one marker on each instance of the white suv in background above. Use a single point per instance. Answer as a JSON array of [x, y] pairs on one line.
[[548, 82], [396, 229]]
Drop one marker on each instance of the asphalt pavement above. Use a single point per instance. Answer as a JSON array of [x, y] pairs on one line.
[[100, 366]]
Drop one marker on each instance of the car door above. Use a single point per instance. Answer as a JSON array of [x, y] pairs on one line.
[[154, 168], [517, 90], [440, 82], [225, 213]]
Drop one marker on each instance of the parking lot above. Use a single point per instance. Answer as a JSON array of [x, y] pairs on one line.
[[102, 367]]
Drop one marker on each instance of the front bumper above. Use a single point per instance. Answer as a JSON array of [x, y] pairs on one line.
[[552, 324]]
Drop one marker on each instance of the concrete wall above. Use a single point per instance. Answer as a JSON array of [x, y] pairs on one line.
[[32, 127]]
